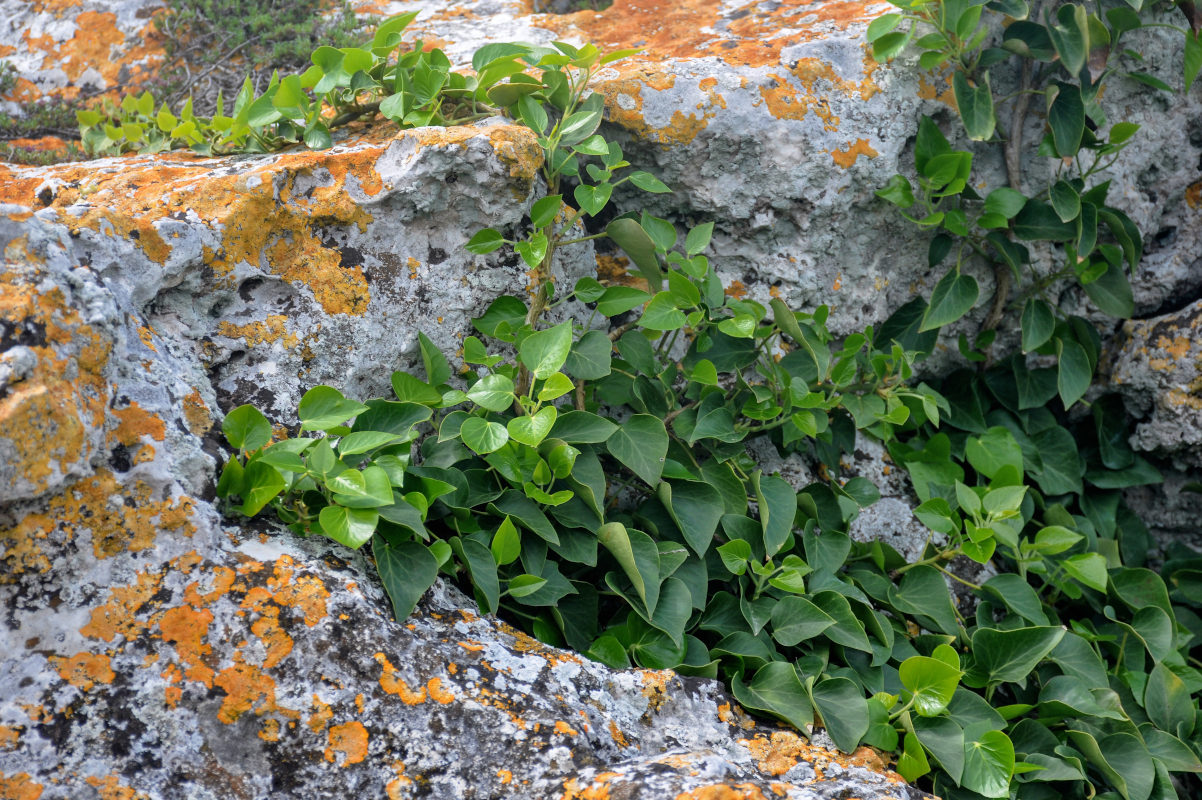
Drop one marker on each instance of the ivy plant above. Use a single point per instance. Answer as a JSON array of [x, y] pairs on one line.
[[1059, 57], [590, 481]]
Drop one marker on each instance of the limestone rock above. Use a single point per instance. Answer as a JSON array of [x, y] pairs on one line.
[[150, 651]]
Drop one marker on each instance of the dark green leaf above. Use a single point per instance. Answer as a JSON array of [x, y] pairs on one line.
[[407, 570], [953, 297], [844, 711], [641, 444]]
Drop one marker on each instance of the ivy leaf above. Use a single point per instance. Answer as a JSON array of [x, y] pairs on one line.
[[544, 352], [1111, 292], [591, 357], [1075, 372], [352, 527], [953, 297], [778, 510], [407, 570], [634, 241], [696, 509], [1038, 323], [246, 428], [988, 764], [975, 104], [493, 392], [482, 435], [532, 429], [778, 691], [1009, 656], [1167, 701], [913, 762], [931, 682], [641, 444], [324, 407], [844, 711], [638, 556], [662, 314], [1066, 112], [795, 619]]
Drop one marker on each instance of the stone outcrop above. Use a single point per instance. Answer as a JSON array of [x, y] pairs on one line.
[[151, 651]]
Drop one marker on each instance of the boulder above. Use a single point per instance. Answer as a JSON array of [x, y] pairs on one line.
[[154, 651]]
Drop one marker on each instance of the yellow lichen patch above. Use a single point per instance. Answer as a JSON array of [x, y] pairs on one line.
[[616, 734], [779, 753], [722, 791], [565, 729], [19, 787], [931, 91], [46, 416], [437, 693], [321, 716], [1193, 196], [624, 98], [597, 789], [196, 413], [84, 670], [306, 593], [135, 423], [270, 730], [118, 615], [399, 784], [273, 329], [736, 289], [655, 686], [277, 643], [846, 156], [393, 683], [505, 775], [9, 737], [186, 628], [347, 743], [247, 688], [110, 788]]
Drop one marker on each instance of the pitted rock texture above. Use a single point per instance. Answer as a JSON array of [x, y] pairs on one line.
[[279, 272], [1158, 370], [223, 665]]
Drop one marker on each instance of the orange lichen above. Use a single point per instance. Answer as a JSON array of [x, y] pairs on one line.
[[616, 734], [268, 331], [186, 628], [19, 787], [118, 615], [134, 423], [246, 688], [196, 413], [1193, 196], [321, 716], [9, 737], [110, 788], [84, 670], [396, 788], [348, 740], [437, 693], [505, 775], [565, 729], [846, 156], [393, 683]]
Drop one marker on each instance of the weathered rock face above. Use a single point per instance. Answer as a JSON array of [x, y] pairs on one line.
[[770, 119]]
